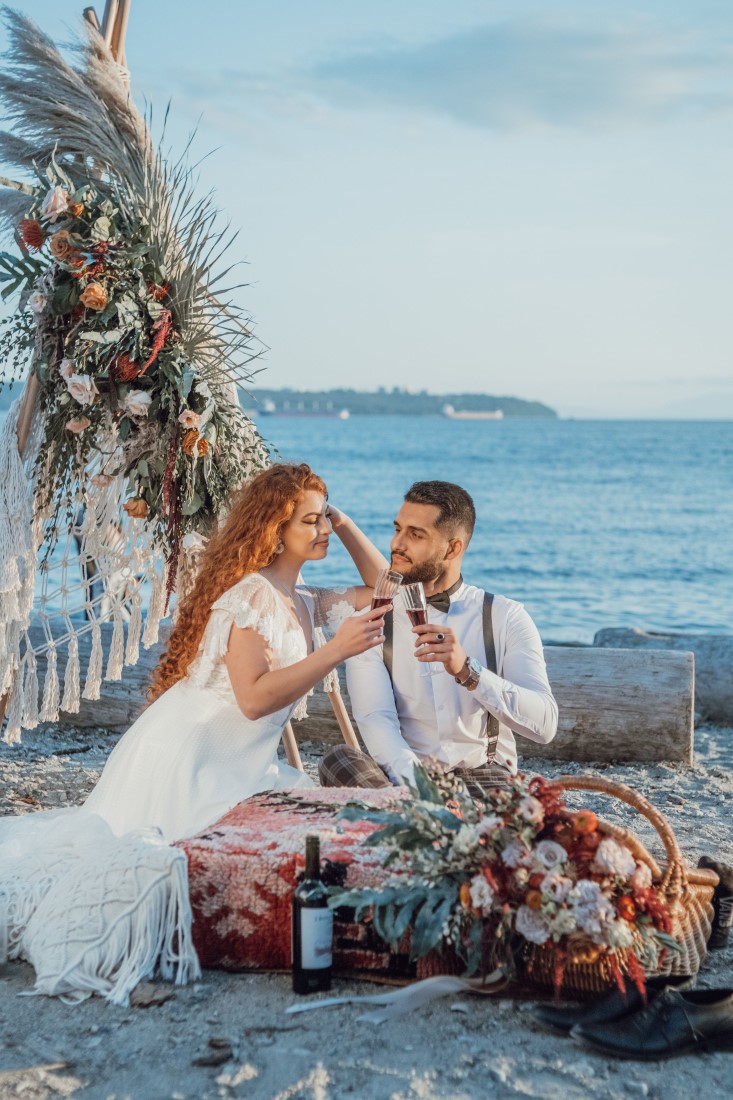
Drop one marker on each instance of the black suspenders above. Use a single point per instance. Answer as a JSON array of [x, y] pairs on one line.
[[492, 728]]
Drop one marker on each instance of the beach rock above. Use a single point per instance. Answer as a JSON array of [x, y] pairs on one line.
[[713, 664]]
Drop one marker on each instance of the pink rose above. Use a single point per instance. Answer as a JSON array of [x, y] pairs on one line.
[[82, 388], [55, 204], [190, 419]]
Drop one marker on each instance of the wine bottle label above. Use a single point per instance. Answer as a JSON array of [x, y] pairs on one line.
[[316, 938]]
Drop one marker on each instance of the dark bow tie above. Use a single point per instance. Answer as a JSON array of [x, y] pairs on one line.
[[441, 600]]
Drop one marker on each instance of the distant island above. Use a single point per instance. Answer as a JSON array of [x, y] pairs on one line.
[[395, 401], [382, 402]]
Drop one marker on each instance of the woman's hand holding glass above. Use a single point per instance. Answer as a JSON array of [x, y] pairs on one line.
[[360, 632]]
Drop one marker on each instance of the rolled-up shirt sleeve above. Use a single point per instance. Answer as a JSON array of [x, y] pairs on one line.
[[522, 697], [375, 713]]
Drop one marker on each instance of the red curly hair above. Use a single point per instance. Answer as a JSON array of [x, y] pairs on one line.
[[245, 543]]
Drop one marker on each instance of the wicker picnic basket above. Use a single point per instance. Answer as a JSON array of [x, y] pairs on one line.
[[687, 892]]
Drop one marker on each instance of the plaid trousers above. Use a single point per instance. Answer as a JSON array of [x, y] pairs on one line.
[[343, 766]]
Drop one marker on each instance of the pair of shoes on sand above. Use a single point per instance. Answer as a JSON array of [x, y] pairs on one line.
[[675, 1020]]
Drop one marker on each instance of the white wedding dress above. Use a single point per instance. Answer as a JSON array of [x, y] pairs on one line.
[[95, 897]]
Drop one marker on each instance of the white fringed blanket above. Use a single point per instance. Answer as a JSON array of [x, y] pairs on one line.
[[93, 913]]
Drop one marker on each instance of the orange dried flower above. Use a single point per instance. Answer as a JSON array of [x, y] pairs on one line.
[[158, 293], [194, 444], [627, 908], [162, 329], [136, 508], [76, 209], [31, 234], [464, 895], [123, 369], [584, 821], [61, 246], [533, 899], [94, 296]]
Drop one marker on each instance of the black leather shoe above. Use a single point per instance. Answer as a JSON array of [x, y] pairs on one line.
[[611, 1006], [722, 902], [674, 1023]]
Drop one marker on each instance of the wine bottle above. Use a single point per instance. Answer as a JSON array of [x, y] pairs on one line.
[[312, 926]]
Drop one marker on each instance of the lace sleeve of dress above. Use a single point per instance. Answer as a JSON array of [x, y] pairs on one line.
[[331, 606], [251, 603]]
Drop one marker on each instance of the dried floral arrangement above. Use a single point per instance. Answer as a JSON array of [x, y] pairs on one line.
[[124, 313], [496, 880]]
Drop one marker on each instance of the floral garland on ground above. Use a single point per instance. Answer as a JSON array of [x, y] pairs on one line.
[[117, 350], [487, 879]]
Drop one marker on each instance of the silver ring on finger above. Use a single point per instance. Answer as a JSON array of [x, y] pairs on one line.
[[440, 637]]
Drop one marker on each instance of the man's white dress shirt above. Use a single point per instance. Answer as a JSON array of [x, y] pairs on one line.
[[417, 715]]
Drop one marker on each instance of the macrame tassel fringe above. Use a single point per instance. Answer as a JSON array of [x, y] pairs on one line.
[[70, 702], [14, 711], [93, 682], [132, 652], [50, 705], [155, 610], [30, 692], [116, 650]]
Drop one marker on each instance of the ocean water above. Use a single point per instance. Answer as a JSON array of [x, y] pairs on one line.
[[588, 523]]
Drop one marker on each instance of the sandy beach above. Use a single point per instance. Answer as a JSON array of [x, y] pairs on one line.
[[228, 1035]]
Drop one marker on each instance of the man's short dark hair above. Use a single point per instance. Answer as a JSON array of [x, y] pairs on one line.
[[455, 506]]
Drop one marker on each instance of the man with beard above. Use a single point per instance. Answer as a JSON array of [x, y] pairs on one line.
[[456, 689]]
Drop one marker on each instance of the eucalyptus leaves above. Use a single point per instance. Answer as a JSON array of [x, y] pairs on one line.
[[126, 362]]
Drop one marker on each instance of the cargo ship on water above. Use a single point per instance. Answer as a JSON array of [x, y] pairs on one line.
[[457, 414]]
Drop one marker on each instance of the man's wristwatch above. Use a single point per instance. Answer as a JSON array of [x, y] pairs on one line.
[[470, 674]]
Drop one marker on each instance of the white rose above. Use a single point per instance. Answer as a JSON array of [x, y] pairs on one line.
[[612, 858], [641, 878], [586, 892], [82, 388], [190, 419], [482, 896], [556, 886], [549, 855], [37, 302], [55, 204], [66, 369], [592, 917], [515, 853], [137, 403], [532, 924], [193, 542], [532, 810], [521, 877]]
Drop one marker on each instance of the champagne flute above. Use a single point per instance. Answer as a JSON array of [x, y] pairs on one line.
[[417, 610], [386, 587], [415, 603]]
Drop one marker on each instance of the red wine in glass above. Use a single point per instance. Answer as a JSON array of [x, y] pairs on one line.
[[380, 601], [418, 616]]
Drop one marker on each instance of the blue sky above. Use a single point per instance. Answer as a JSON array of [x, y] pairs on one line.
[[513, 197]]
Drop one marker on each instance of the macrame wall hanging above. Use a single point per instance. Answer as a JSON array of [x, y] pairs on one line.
[[129, 438]]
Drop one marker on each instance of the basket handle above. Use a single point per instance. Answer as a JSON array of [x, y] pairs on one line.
[[674, 879]]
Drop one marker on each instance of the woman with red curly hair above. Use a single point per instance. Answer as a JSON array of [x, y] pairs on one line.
[[246, 649], [93, 896]]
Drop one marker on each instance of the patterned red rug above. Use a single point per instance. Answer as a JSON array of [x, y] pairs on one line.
[[243, 870]]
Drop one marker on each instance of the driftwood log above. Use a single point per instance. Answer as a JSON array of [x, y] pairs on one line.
[[713, 664], [615, 704]]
